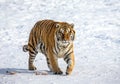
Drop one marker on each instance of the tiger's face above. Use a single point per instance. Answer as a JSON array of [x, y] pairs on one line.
[[65, 34]]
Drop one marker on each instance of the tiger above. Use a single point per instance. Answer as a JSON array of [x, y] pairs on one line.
[[55, 40]]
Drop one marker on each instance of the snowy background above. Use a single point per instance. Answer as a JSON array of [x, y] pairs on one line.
[[97, 43]]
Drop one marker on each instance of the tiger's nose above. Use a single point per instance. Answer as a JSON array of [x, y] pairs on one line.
[[66, 37]]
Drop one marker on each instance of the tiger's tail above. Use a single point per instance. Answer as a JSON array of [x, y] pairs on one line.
[[25, 48]]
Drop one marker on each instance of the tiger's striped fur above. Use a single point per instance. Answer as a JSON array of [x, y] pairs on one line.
[[54, 40]]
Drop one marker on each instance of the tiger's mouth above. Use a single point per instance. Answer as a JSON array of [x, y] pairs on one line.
[[63, 43]]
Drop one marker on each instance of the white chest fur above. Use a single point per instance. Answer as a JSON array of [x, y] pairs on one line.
[[62, 51]]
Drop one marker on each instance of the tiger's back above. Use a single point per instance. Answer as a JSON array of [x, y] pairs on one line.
[[44, 38], [40, 33]]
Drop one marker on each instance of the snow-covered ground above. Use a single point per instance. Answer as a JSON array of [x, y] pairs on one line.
[[97, 44]]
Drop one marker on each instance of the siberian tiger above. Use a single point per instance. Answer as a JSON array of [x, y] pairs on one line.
[[54, 40]]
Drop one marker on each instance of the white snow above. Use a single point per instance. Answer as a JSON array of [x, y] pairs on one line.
[[96, 47]]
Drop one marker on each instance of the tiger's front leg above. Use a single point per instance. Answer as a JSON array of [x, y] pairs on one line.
[[69, 59], [54, 64]]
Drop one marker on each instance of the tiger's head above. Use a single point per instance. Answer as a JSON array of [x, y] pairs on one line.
[[65, 33]]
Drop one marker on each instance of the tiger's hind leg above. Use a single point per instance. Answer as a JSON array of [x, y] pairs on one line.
[[32, 55]]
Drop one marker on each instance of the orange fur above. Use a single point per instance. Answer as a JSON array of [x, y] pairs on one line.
[[55, 40]]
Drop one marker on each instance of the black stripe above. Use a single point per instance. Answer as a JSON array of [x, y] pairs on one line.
[[32, 48], [35, 37], [32, 58], [68, 55], [58, 47], [33, 41], [56, 51], [48, 62], [32, 52], [50, 28], [41, 46], [43, 50], [68, 60], [31, 61], [27, 49], [45, 24], [47, 59], [40, 23], [68, 51]]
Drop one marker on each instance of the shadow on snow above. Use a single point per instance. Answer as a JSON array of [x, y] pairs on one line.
[[7, 71]]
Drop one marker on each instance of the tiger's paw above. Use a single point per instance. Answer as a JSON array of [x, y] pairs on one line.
[[58, 73], [32, 68], [68, 73]]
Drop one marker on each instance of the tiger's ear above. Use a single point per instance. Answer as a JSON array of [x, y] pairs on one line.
[[57, 25], [72, 25]]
